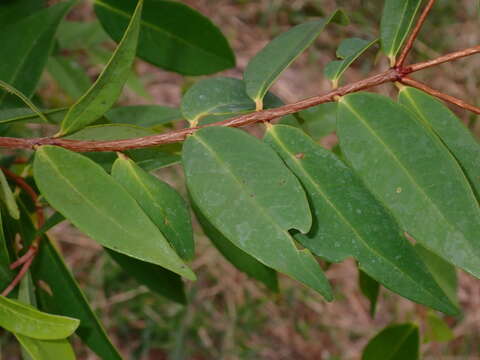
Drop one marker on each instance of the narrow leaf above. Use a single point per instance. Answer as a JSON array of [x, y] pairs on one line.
[[396, 342], [165, 207], [156, 278], [254, 202], [95, 203], [409, 169], [54, 116], [108, 86], [348, 51], [46, 349], [370, 288], [459, 140], [8, 198], [276, 56], [397, 20], [23, 61], [12, 90], [19, 318], [173, 36], [237, 257], [6, 275], [349, 221]]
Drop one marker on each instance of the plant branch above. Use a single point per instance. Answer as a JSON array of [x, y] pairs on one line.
[[409, 44], [448, 98], [391, 75]]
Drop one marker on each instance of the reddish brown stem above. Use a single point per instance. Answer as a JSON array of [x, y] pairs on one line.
[[442, 59], [414, 34], [19, 277], [451, 99]]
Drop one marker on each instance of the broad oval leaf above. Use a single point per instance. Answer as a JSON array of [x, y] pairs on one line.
[[254, 202], [397, 20], [23, 319], [348, 51], [459, 140], [220, 96], [236, 256], [108, 86], [349, 221], [409, 169], [276, 56], [94, 202], [23, 61], [6, 195], [396, 342], [143, 115], [165, 207], [46, 349], [173, 36]]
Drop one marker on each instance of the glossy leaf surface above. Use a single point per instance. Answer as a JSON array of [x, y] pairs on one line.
[[22, 319], [397, 20], [23, 61], [165, 207], [254, 202], [173, 36], [396, 342], [459, 140], [349, 221], [236, 256], [409, 169], [108, 86], [94, 202], [276, 56]]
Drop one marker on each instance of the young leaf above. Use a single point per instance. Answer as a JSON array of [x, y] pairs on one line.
[[8, 198], [459, 140], [349, 221], [437, 329], [276, 56], [219, 96], [397, 20], [95, 203], [370, 288], [237, 257], [409, 169], [165, 207], [46, 349], [396, 342], [156, 278], [254, 202], [22, 319], [69, 75], [173, 36], [348, 51], [108, 86], [23, 61], [143, 115]]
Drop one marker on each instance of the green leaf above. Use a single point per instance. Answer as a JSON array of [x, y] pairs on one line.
[[349, 221], [69, 75], [397, 20], [459, 140], [276, 56], [23, 61], [254, 202], [409, 169], [173, 36], [370, 288], [156, 278], [396, 342], [54, 116], [219, 96], [78, 35], [6, 275], [10, 89], [165, 207], [13, 11], [237, 257], [8, 198], [46, 349], [95, 203], [108, 86], [437, 329], [144, 115], [348, 51], [444, 273], [25, 320]]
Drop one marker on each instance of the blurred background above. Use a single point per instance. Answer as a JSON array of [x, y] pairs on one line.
[[230, 316]]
